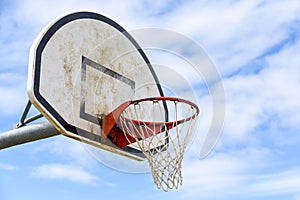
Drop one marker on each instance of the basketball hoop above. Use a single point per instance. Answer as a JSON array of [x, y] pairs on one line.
[[144, 123]]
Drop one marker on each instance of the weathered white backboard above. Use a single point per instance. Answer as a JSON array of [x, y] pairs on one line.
[[81, 67]]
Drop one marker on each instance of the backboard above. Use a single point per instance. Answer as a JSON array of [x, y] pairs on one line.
[[83, 66]]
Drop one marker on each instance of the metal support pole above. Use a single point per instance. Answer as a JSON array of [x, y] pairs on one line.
[[27, 134], [23, 120]]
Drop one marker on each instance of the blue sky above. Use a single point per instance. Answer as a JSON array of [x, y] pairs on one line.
[[255, 46]]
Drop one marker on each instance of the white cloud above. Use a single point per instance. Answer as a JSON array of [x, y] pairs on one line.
[[237, 32], [258, 106], [278, 183], [250, 172], [8, 167], [13, 94], [244, 106], [269, 97], [219, 173], [74, 152], [28, 12], [63, 172], [296, 197]]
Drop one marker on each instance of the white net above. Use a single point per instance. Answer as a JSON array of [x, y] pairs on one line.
[[163, 141]]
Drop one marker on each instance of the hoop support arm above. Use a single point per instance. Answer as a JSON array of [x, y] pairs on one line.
[[27, 134]]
